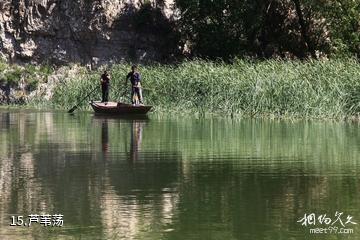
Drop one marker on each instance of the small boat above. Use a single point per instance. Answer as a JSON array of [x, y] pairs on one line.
[[119, 108]]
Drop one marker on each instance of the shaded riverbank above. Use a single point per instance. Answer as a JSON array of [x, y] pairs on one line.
[[313, 89]]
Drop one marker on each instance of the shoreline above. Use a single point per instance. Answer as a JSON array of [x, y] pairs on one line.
[[198, 115], [268, 89]]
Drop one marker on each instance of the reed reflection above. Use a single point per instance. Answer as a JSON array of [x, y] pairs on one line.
[[5, 121]]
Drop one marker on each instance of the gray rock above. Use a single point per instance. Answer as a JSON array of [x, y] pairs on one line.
[[64, 31]]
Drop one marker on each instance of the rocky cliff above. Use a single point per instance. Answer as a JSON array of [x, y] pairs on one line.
[[89, 32]]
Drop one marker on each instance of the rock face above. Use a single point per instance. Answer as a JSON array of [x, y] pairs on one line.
[[84, 31]]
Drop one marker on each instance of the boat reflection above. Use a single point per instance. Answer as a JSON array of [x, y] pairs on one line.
[[136, 133], [136, 139], [129, 117], [138, 187]]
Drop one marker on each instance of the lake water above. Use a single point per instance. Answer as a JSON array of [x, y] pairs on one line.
[[177, 177]]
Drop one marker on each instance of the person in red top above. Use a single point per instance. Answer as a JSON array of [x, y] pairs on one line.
[[105, 84]]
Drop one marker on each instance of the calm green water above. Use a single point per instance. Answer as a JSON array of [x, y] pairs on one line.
[[176, 178]]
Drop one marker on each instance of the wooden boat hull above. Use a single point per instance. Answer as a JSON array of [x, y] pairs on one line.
[[118, 108]]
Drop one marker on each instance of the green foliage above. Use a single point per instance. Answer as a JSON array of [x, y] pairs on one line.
[[231, 28], [46, 70], [327, 89], [13, 76], [69, 94], [3, 65], [29, 75], [32, 84], [343, 18], [35, 74]]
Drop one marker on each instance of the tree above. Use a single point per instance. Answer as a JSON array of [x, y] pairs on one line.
[[304, 29], [268, 28]]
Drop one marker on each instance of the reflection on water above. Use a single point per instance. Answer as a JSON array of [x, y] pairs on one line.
[[175, 178], [136, 137], [105, 136]]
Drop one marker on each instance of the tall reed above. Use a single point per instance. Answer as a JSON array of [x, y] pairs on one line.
[[325, 89]]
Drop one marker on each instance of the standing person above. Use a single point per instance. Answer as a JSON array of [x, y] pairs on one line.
[[135, 80], [105, 83]]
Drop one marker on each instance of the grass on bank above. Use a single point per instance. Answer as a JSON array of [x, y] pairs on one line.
[[29, 76], [325, 89]]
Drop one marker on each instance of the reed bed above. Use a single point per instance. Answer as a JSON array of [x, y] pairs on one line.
[[312, 89]]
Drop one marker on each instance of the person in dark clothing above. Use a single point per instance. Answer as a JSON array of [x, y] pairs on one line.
[[135, 79], [105, 83]]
